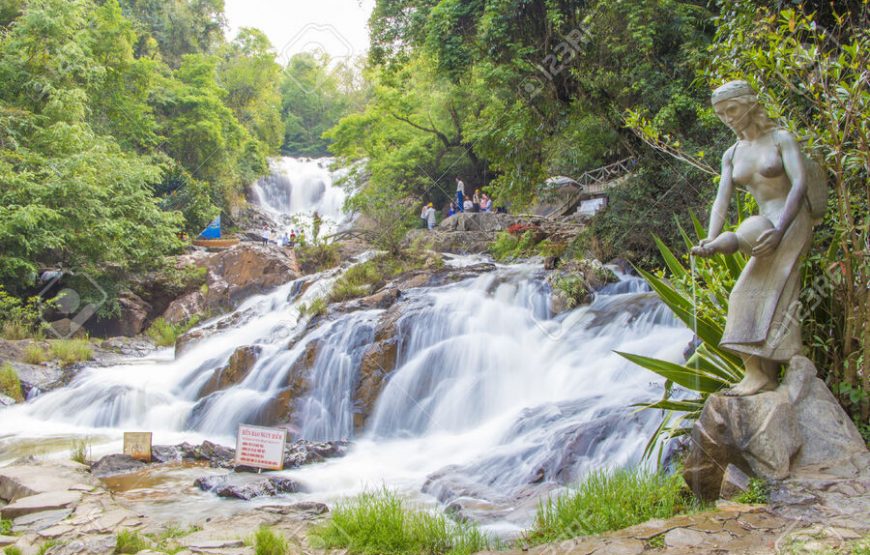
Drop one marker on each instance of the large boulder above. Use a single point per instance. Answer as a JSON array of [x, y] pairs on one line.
[[575, 282], [480, 221], [237, 369], [377, 363], [772, 434], [131, 319]]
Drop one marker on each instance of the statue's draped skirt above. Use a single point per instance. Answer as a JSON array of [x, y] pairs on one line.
[[763, 309]]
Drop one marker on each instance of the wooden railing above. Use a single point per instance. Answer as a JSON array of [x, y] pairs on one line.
[[600, 179]]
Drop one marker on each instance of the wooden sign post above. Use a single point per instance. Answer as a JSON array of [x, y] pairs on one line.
[[260, 447], [138, 445]]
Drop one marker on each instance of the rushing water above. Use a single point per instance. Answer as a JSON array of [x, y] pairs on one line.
[[491, 398], [298, 187]]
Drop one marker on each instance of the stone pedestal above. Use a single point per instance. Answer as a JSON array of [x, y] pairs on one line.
[[771, 434]]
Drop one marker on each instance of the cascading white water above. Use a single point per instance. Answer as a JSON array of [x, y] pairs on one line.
[[489, 393], [298, 187]]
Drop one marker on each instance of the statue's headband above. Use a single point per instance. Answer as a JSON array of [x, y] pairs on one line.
[[732, 89]]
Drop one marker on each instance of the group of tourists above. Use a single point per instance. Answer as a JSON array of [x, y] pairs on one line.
[[286, 240], [477, 203]]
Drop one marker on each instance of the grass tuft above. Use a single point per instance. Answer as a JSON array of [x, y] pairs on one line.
[[35, 354], [757, 493], [10, 385], [5, 527], [267, 542], [610, 501], [81, 450], [380, 523], [43, 549], [70, 351], [130, 542], [13, 550], [317, 307]]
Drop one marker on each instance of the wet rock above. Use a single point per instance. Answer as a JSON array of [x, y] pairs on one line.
[[7, 540], [40, 378], [116, 464], [185, 307], [770, 434], [216, 455], [575, 283], [131, 320], [236, 370], [302, 452], [165, 453], [6, 401], [229, 486], [49, 501], [377, 363]]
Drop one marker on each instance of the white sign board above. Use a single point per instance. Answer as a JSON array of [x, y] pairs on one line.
[[260, 447]]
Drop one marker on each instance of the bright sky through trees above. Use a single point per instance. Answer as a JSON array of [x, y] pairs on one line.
[[337, 26]]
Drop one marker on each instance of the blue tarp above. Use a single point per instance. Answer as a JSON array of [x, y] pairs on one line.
[[213, 231]]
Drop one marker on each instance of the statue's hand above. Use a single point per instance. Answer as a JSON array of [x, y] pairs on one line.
[[767, 242], [702, 249]]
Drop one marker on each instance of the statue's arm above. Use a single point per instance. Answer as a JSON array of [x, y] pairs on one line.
[[719, 212], [794, 169]]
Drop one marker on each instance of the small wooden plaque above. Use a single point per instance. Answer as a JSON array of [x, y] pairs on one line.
[[138, 445]]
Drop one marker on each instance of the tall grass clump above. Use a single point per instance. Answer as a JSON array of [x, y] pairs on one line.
[[610, 500], [10, 385], [70, 351], [35, 354], [12, 550], [80, 451], [130, 542], [267, 542], [380, 523]]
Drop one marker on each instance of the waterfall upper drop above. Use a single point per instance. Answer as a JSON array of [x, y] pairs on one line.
[[299, 187]]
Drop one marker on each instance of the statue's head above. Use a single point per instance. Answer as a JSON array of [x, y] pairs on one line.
[[737, 106]]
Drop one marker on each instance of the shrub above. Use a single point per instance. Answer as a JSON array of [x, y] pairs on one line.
[[19, 319], [10, 385], [757, 492], [610, 501], [70, 351], [508, 246], [130, 542], [165, 334], [12, 550], [34, 354], [317, 307], [5, 527], [317, 258], [362, 279], [267, 542], [379, 522]]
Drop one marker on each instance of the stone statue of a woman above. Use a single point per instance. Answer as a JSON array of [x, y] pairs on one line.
[[762, 324]]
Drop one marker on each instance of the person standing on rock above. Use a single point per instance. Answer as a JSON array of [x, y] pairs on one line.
[[430, 216], [460, 194], [267, 235]]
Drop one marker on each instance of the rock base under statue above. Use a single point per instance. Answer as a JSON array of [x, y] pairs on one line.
[[771, 434]]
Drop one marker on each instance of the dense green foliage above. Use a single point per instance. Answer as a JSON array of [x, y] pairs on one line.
[[382, 523], [607, 501], [121, 124], [505, 94]]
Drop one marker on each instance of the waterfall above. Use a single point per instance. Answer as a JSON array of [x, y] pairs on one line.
[[296, 188], [490, 392]]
